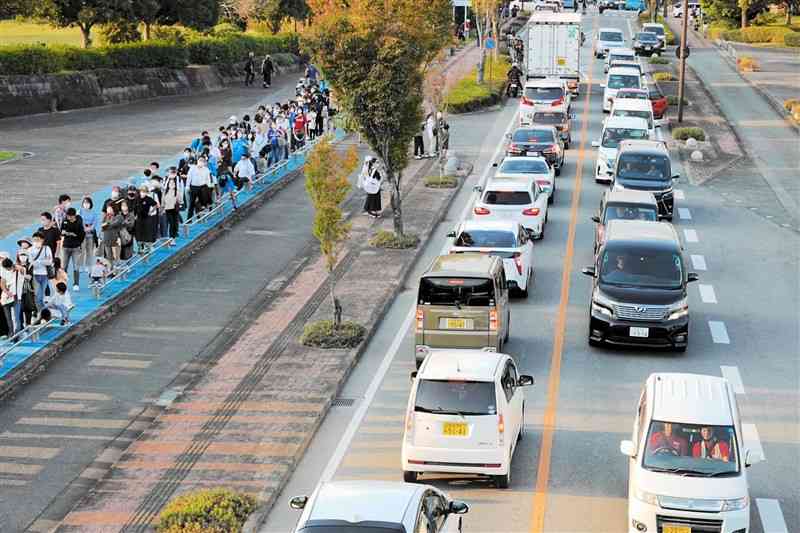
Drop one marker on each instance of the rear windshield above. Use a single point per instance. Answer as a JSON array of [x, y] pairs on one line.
[[524, 166], [658, 30], [647, 115], [611, 36], [648, 268], [544, 93], [631, 212], [613, 136], [627, 63], [553, 119], [455, 397], [620, 57], [349, 527], [507, 198], [456, 291], [533, 136], [647, 37], [623, 81], [631, 94], [643, 167], [480, 238]]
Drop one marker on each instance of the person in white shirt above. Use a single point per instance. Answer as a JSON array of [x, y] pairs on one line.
[[245, 171], [10, 294], [199, 177]]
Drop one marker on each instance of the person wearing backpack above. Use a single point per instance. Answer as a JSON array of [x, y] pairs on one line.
[[370, 181]]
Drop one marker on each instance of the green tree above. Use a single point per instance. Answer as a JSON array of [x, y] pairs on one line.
[[327, 172], [84, 14]]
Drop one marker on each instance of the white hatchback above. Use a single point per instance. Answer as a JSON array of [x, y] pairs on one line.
[[551, 94], [507, 240], [520, 200], [526, 166], [629, 107], [619, 78], [465, 415]]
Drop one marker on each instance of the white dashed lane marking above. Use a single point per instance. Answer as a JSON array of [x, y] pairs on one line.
[[707, 294], [684, 213], [679, 194], [731, 373], [719, 333], [690, 235], [772, 520], [699, 262]]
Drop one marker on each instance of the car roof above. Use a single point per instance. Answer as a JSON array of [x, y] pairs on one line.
[[630, 196], [463, 265], [626, 122], [642, 145], [359, 501], [622, 51], [624, 70], [522, 183], [497, 225], [631, 89], [537, 127], [473, 365], [633, 104], [691, 399], [656, 234], [652, 25], [615, 30], [645, 31], [544, 82]]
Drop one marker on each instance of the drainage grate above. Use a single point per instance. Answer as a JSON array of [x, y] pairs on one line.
[[343, 402]]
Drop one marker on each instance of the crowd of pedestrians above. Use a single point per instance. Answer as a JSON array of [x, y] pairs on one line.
[[95, 241]]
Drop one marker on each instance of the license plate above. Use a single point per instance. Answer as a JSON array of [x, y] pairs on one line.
[[456, 323], [676, 529], [531, 153], [648, 47], [455, 429], [642, 332]]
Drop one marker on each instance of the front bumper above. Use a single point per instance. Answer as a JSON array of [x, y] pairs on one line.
[[653, 516], [661, 334], [489, 461]]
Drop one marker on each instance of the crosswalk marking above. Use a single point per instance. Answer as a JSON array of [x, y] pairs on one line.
[[684, 213], [86, 396], [707, 294], [772, 520], [699, 262], [719, 333], [28, 452], [17, 468], [679, 195], [85, 423], [63, 407], [119, 363], [690, 235]]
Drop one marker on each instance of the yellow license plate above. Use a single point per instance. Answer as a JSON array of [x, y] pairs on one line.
[[456, 323], [455, 429], [676, 529]]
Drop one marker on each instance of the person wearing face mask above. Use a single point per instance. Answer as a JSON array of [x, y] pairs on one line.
[[42, 259], [126, 230], [8, 295], [146, 212], [110, 227], [115, 199], [27, 299], [170, 202], [199, 177], [60, 210], [90, 227]]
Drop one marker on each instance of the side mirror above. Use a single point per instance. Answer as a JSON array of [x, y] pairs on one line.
[[508, 136], [610, 173], [692, 276], [595, 144], [626, 447], [477, 188], [596, 218], [413, 376], [589, 271], [525, 380], [752, 457], [676, 177], [602, 85], [298, 502], [457, 507], [451, 235]]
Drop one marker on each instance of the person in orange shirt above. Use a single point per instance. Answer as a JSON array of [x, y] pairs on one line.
[[666, 439], [710, 447]]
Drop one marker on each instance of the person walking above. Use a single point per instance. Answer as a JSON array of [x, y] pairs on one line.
[[419, 143], [170, 202], [267, 69], [110, 228], [244, 171], [90, 227], [249, 70], [370, 181], [126, 230], [146, 220], [42, 259], [74, 233], [430, 131], [198, 178]]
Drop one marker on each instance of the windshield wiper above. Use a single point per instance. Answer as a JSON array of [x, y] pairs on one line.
[[681, 471]]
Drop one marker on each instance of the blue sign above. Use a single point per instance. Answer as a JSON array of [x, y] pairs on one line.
[[489, 43]]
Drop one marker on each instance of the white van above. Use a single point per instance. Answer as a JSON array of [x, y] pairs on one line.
[[619, 78], [618, 54], [629, 107], [464, 415], [616, 130], [687, 466]]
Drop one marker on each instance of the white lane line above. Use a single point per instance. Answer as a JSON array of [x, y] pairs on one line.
[[372, 390], [690, 235], [731, 373], [772, 520], [719, 333], [679, 194], [699, 262], [751, 440], [684, 213], [707, 294]]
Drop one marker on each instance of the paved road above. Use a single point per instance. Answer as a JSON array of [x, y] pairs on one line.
[[751, 267]]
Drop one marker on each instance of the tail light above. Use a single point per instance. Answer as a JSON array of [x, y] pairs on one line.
[[501, 429], [543, 183], [420, 317], [526, 101], [558, 102], [410, 425], [493, 320], [601, 231], [550, 149], [513, 146], [481, 211], [531, 211], [518, 262]]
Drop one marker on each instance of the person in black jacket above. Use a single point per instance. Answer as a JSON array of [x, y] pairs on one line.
[[267, 69], [73, 233], [249, 70], [146, 211]]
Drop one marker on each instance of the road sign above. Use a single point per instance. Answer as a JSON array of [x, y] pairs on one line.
[[678, 51], [489, 43]]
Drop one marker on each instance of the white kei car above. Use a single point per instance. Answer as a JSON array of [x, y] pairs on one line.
[[620, 78], [525, 166], [520, 200], [616, 130], [505, 239], [465, 415], [618, 54], [607, 39]]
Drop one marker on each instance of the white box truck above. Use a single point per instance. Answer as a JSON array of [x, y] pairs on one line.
[[554, 47]]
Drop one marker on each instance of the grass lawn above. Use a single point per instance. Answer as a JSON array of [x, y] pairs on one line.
[[5, 156], [16, 32]]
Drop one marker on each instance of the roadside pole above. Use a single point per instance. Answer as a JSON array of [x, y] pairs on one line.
[[682, 56]]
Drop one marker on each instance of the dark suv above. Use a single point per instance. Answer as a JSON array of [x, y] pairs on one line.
[[639, 295], [645, 166], [538, 140]]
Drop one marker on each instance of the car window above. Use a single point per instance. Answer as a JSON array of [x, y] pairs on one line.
[[436, 508], [654, 92], [647, 37], [484, 238], [520, 165], [658, 30], [423, 524], [620, 57], [554, 119], [631, 212], [647, 115], [648, 269], [624, 81], [507, 198], [691, 449], [508, 384], [611, 36], [613, 136], [634, 166], [473, 398], [533, 136], [544, 93], [456, 291], [631, 94]]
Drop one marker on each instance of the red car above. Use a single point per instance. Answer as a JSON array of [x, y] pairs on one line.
[[658, 101]]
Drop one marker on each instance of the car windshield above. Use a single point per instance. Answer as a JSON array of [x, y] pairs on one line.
[[523, 166], [620, 57], [456, 291], [631, 212], [691, 449], [483, 238], [533, 136], [544, 93], [627, 64], [507, 198], [631, 94], [624, 81], [648, 268], [553, 119], [647, 37], [611, 36], [613, 136], [643, 167], [658, 30], [646, 115], [455, 397]]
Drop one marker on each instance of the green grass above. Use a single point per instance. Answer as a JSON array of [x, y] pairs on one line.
[[5, 156], [467, 94], [19, 32]]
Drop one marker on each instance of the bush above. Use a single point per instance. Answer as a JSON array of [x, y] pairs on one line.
[[747, 64], [233, 48], [225, 28], [672, 99], [682, 134], [206, 511], [657, 60], [389, 239], [322, 334], [792, 38], [757, 34], [663, 76], [443, 182], [791, 103], [150, 54], [469, 95], [29, 59], [121, 31], [765, 18]]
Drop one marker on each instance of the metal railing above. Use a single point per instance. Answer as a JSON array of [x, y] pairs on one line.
[[29, 333]]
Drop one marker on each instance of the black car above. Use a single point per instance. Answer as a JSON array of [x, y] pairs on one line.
[[561, 120], [602, 5], [542, 141], [646, 44], [646, 166], [639, 295]]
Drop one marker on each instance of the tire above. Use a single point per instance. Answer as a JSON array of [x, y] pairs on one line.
[[524, 292], [521, 434], [410, 477], [503, 482], [552, 197], [541, 233], [558, 170]]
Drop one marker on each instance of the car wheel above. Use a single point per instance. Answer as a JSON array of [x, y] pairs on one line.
[[524, 292], [503, 482], [410, 477], [541, 233], [558, 170], [552, 197]]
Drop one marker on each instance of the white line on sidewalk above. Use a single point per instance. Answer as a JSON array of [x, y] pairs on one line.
[[690, 235], [752, 441], [772, 520], [731, 373], [719, 333], [699, 262], [707, 294], [684, 213], [679, 194]]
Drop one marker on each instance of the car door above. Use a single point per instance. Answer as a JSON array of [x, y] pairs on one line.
[[526, 249], [540, 201]]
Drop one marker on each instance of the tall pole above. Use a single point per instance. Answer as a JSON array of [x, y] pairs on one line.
[[682, 78], [664, 5]]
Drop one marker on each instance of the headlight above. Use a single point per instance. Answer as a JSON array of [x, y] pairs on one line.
[[736, 504], [678, 309], [602, 304], [646, 497]]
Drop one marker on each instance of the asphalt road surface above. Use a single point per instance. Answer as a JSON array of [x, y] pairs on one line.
[[568, 473]]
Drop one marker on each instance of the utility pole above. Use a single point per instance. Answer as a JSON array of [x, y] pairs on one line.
[[664, 5], [684, 38]]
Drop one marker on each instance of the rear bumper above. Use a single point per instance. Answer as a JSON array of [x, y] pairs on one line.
[[490, 461]]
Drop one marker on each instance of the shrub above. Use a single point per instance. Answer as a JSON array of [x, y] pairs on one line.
[[469, 95], [791, 103], [120, 31], [323, 334], [233, 48], [74, 58], [150, 54], [389, 239], [757, 34], [29, 59], [717, 28], [747, 64], [682, 134], [225, 28], [672, 99], [663, 76], [206, 511], [765, 18], [657, 60], [792, 38], [443, 182]]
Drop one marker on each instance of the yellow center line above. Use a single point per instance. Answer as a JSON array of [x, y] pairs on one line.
[[554, 380]]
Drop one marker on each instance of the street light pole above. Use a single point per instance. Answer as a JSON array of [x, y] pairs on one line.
[[682, 77]]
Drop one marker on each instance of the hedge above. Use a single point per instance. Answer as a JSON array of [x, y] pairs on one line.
[[230, 48], [792, 39], [757, 34], [682, 134], [206, 511], [469, 95]]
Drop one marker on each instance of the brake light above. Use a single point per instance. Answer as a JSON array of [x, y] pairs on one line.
[[550, 149], [481, 211], [493, 320], [543, 183], [410, 425], [601, 231], [518, 262], [513, 146], [501, 429], [558, 102], [526, 101], [531, 211], [420, 317]]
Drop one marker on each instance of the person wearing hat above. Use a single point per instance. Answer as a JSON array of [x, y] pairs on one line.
[[73, 233], [370, 180], [23, 245], [145, 227], [267, 69], [249, 70]]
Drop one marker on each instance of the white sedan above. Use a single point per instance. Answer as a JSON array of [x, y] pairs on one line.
[[520, 200], [516, 167]]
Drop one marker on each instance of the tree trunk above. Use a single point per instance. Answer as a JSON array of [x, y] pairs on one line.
[[337, 307], [788, 13], [397, 204], [744, 6], [147, 28], [86, 35], [482, 64]]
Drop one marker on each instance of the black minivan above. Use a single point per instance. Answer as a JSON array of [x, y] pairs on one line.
[[639, 293], [646, 166]]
